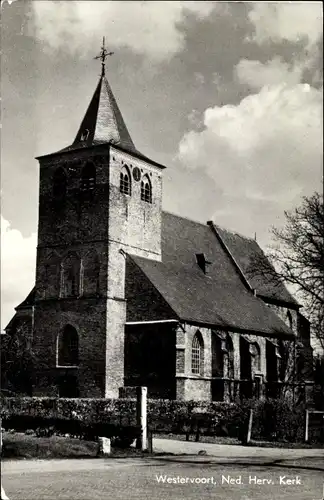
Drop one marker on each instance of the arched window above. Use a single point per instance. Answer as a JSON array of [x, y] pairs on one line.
[[125, 181], [197, 354], [88, 177], [146, 189], [59, 184], [70, 276], [68, 347]]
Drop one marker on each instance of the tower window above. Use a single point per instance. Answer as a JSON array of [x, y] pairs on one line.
[[59, 184], [125, 181], [197, 351], [68, 347], [146, 189], [88, 177]]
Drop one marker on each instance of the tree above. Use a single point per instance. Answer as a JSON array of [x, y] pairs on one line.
[[298, 259], [17, 361]]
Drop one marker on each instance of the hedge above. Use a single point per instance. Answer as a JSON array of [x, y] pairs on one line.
[[272, 419]]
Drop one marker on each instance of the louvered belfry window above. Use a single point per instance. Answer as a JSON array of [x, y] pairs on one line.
[[125, 181], [146, 190]]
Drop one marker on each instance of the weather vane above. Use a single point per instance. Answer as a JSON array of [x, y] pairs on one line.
[[103, 55]]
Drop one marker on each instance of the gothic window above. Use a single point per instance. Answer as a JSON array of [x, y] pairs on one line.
[[70, 276], [197, 354], [146, 189], [59, 184], [68, 347], [88, 178], [125, 181], [289, 319]]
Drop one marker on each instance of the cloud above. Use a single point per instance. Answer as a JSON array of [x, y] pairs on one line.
[[18, 258], [264, 153], [151, 28], [289, 21], [300, 24], [273, 72]]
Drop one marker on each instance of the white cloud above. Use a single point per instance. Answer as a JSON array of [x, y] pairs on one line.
[[146, 27], [290, 21], [18, 257], [274, 72], [264, 152]]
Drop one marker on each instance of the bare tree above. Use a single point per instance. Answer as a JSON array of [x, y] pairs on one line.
[[297, 257]]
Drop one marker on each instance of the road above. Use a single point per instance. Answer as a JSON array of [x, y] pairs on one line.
[[231, 473]]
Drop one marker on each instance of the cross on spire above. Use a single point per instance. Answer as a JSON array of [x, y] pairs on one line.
[[103, 55]]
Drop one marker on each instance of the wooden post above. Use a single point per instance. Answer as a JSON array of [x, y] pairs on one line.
[[248, 438], [141, 417], [306, 426], [150, 441]]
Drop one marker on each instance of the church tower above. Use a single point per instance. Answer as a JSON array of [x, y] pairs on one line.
[[99, 199]]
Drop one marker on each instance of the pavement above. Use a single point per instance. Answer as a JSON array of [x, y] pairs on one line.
[[225, 472], [233, 452]]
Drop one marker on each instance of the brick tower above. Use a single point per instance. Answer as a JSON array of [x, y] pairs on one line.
[[99, 199]]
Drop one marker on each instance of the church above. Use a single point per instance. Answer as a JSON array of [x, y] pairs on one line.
[[127, 294]]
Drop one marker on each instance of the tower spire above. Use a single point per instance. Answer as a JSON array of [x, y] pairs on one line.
[[103, 55]]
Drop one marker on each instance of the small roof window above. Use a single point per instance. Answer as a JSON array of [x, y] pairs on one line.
[[202, 262]]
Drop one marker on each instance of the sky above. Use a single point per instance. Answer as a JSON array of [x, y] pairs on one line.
[[228, 96]]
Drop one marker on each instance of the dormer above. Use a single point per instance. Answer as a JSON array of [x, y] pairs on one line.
[[202, 262]]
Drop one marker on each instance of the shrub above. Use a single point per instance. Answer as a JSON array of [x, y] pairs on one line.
[[116, 418]]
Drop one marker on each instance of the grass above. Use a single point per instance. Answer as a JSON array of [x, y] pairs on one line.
[[19, 445]]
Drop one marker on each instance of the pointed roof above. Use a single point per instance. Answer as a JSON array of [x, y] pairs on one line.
[[103, 121]]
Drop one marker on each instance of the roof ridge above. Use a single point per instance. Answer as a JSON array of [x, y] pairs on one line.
[[167, 212], [236, 233]]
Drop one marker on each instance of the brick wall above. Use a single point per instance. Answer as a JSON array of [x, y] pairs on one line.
[[94, 226]]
